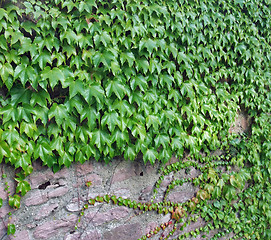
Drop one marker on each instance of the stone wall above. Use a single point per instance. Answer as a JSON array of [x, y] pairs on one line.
[[52, 208]]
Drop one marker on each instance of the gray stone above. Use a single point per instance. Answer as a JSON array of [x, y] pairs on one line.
[[124, 232]]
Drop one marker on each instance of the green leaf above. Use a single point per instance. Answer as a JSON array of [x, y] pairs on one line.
[[229, 192], [212, 175], [66, 159], [100, 138], [59, 112], [149, 44], [258, 176], [125, 109], [75, 87], [3, 42], [105, 58], [20, 95], [4, 150], [91, 115], [44, 152], [120, 137], [150, 155], [115, 87], [41, 98], [11, 229], [127, 57], [14, 201], [104, 37], [54, 75], [161, 139], [140, 130], [93, 90], [129, 153], [152, 120], [6, 74], [23, 187], [142, 64], [69, 35], [139, 81], [111, 120], [23, 161], [115, 67], [43, 58]]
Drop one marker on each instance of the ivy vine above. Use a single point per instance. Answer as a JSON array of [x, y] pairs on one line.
[[101, 79]]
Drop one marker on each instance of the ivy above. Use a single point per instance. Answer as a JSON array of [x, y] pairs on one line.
[[101, 79]]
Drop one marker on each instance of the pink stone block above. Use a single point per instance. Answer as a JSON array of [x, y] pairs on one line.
[[113, 214], [57, 192], [123, 174], [124, 232], [84, 169], [45, 211], [51, 228], [36, 198], [4, 210], [95, 179], [22, 235]]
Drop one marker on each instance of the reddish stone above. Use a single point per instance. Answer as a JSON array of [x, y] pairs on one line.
[[22, 235], [180, 197], [3, 193], [123, 174], [194, 225], [113, 214], [124, 232], [3, 229], [36, 198], [52, 228], [57, 192], [123, 192], [74, 207], [167, 180], [4, 210], [39, 178], [84, 169], [92, 235], [95, 179], [193, 173], [45, 211], [63, 173], [73, 236], [172, 160]]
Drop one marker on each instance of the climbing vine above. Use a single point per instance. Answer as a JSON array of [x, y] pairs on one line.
[[101, 79]]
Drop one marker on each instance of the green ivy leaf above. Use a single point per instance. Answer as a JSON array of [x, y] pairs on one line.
[[129, 153], [23, 187], [93, 90], [54, 75], [150, 155], [111, 120], [59, 112], [117, 88], [11, 229], [14, 201], [229, 192], [139, 81]]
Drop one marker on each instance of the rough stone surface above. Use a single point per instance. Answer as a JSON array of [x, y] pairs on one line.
[[242, 123], [22, 235], [129, 231], [36, 198], [46, 211]]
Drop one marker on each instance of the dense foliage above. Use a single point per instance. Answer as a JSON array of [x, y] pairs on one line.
[[100, 79]]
